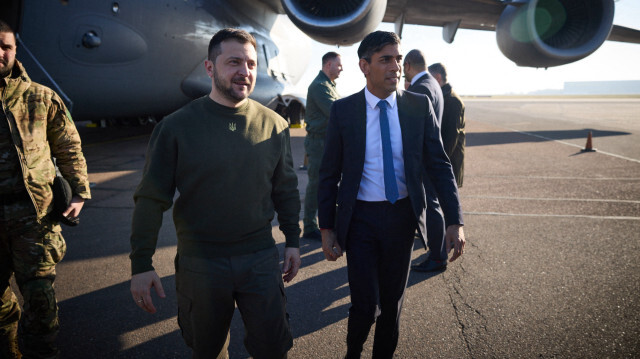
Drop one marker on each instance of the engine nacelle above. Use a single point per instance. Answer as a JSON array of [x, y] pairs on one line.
[[545, 33], [336, 22]]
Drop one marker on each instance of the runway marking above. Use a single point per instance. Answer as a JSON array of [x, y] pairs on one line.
[[548, 99], [560, 141], [147, 333], [565, 178], [557, 199], [551, 215], [567, 143]]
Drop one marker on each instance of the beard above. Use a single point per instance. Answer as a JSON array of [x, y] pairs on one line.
[[226, 89], [6, 69]]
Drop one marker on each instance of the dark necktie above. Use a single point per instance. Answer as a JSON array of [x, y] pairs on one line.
[[390, 185]]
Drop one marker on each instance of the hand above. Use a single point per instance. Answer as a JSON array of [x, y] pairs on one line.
[[454, 239], [74, 208], [141, 284], [291, 263], [330, 246]]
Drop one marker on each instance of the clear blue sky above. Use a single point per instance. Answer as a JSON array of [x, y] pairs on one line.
[[477, 67]]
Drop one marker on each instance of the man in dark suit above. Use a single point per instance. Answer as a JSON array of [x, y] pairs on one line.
[[415, 70], [380, 144]]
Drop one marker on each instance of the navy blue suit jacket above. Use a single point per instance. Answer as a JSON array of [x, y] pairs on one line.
[[343, 161], [428, 85]]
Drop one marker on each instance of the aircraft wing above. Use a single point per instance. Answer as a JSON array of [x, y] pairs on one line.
[[471, 14], [529, 33], [624, 34]]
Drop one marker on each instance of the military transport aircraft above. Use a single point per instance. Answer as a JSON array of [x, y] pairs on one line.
[[140, 58]]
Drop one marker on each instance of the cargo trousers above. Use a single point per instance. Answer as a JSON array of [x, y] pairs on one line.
[[29, 250], [208, 290]]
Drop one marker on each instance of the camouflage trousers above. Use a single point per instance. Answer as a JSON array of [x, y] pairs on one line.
[[29, 250]]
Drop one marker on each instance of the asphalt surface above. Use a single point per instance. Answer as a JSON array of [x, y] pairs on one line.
[[551, 268]]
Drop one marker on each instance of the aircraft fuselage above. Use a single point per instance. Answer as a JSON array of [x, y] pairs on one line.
[[143, 57]]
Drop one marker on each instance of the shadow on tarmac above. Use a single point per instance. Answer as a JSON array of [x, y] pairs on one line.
[[107, 320], [502, 138]]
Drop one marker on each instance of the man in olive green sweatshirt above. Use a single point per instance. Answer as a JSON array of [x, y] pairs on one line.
[[230, 160]]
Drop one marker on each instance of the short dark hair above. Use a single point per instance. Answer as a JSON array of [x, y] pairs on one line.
[[329, 56], [241, 36], [416, 58], [4, 27], [374, 42], [439, 68]]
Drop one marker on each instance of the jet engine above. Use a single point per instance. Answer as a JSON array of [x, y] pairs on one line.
[[341, 22], [545, 33]]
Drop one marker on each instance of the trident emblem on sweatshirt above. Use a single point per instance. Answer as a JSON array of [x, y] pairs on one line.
[[232, 126]]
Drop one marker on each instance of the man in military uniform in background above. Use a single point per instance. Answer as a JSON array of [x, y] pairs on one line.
[[320, 96], [453, 122], [34, 127]]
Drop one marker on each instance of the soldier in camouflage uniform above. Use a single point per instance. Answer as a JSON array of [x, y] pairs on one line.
[[34, 127]]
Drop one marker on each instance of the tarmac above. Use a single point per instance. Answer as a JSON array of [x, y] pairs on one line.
[[551, 266]]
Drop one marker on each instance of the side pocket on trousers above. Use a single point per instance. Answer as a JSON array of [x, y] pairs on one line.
[[54, 247], [184, 318]]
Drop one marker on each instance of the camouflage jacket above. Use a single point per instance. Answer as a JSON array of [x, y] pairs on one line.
[[41, 127]]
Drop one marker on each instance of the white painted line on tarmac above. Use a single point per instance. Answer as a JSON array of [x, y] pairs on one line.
[[546, 99], [556, 199], [571, 144], [564, 178], [551, 215]]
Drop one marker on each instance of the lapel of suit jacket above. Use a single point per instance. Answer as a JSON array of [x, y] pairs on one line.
[[358, 118], [417, 83], [403, 117]]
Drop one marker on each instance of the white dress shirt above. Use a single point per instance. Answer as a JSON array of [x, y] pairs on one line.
[[417, 76], [372, 182]]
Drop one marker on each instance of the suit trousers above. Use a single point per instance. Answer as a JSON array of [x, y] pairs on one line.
[[379, 245], [208, 289], [435, 224]]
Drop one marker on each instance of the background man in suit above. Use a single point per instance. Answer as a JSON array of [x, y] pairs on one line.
[[380, 144], [453, 122], [320, 96], [415, 70]]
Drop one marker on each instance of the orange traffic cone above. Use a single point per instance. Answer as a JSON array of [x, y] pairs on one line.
[[588, 147]]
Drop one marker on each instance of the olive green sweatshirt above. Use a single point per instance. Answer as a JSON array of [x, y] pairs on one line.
[[232, 168]]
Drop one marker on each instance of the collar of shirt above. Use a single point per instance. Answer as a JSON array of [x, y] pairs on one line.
[[372, 182], [372, 100], [417, 76]]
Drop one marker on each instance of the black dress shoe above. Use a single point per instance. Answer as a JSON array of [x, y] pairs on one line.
[[430, 265], [315, 235]]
